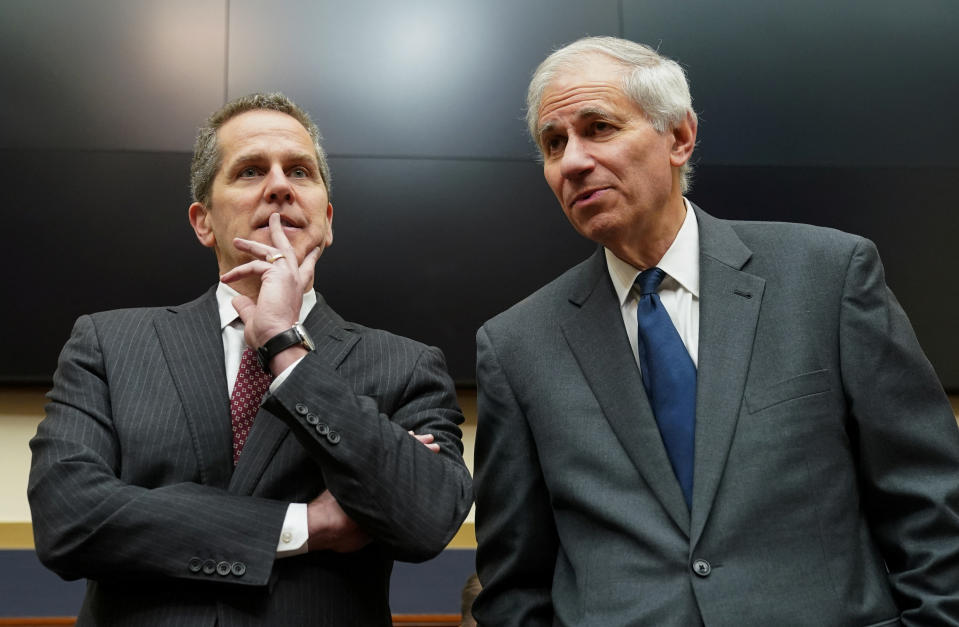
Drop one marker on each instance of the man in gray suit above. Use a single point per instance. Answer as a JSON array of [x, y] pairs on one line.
[[820, 481], [139, 482]]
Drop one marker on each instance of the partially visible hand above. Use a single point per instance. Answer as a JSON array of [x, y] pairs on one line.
[[330, 528], [282, 284], [427, 440]]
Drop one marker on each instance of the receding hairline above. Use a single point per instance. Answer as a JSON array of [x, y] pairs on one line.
[[564, 66]]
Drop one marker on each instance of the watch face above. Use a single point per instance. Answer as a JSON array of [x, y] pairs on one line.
[[305, 338]]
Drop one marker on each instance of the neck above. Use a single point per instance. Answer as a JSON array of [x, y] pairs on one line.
[[248, 287], [648, 242]]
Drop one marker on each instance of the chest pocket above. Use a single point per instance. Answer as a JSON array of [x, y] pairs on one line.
[[806, 384]]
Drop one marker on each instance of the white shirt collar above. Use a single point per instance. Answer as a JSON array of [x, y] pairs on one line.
[[681, 261], [228, 315]]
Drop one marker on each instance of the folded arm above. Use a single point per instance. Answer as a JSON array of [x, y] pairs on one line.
[[90, 520]]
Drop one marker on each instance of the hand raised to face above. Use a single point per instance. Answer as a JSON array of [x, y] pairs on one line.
[[282, 283]]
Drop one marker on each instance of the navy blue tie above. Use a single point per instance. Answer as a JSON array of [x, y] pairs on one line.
[[669, 377]]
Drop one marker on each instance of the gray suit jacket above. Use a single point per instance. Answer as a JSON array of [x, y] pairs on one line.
[[826, 452], [133, 486]]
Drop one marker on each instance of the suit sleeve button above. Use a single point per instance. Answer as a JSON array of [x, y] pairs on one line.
[[323, 428], [238, 569], [209, 567], [196, 564], [301, 409], [223, 569], [702, 568], [312, 419], [333, 437]]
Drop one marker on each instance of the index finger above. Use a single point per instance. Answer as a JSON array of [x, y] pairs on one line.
[[279, 238]]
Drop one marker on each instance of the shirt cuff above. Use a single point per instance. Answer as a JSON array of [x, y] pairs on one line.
[[280, 378], [295, 533]]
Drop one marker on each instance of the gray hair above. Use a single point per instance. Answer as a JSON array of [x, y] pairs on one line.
[[207, 157], [653, 82]]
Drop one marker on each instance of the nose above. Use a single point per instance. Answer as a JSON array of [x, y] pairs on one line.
[[577, 160], [278, 189]]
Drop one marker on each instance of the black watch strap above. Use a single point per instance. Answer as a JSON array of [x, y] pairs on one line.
[[282, 341]]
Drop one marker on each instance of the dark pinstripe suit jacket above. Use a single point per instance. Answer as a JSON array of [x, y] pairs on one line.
[[132, 484]]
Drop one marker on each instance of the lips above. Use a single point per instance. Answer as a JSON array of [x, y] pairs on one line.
[[587, 195], [286, 221]]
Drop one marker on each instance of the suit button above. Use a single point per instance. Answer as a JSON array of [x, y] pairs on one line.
[[223, 569], [312, 419], [333, 437], [702, 568], [301, 409], [322, 428], [238, 569], [196, 564], [209, 567]]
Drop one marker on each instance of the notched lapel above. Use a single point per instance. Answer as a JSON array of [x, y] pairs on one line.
[[730, 301], [598, 340], [192, 345], [332, 335]]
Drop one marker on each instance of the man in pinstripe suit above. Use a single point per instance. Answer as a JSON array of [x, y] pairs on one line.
[[353, 460]]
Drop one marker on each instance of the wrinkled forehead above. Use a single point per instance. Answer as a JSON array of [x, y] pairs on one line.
[[263, 132], [585, 77], [582, 92]]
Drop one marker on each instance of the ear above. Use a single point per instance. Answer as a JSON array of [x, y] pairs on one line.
[[329, 224], [684, 140], [200, 221]]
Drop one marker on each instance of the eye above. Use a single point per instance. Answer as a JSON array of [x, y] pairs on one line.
[[300, 173], [554, 144], [600, 127], [248, 172]]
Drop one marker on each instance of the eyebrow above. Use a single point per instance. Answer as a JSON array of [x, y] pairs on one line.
[[253, 157], [586, 113]]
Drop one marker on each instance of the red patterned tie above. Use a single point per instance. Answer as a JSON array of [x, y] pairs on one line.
[[251, 384]]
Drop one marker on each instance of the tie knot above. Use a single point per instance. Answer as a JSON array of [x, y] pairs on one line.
[[648, 281]]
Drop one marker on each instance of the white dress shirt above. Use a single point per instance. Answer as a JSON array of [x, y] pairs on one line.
[[295, 533], [679, 291]]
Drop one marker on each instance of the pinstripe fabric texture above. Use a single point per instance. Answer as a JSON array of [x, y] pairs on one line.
[[133, 486]]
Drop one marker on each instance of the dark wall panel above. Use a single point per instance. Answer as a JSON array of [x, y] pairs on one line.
[[109, 74], [430, 78], [810, 111], [91, 231], [802, 82]]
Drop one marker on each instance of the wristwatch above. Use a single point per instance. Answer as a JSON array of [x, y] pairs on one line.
[[281, 341]]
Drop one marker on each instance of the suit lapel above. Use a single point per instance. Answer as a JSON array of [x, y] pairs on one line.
[[333, 341], [193, 347], [597, 339], [730, 301]]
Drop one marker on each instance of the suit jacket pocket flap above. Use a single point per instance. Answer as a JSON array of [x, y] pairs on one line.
[[794, 387]]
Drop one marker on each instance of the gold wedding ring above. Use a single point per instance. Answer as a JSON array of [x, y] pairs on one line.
[[274, 256]]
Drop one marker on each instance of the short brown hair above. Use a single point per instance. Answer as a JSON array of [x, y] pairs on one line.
[[207, 157]]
